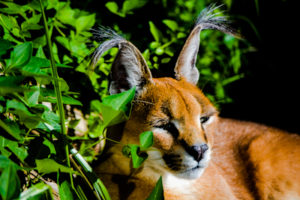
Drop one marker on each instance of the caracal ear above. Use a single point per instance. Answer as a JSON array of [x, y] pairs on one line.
[[129, 68], [186, 62]]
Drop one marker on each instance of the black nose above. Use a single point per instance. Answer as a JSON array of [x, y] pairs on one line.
[[197, 151]]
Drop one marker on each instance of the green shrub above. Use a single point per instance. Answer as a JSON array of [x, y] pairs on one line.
[[37, 123]]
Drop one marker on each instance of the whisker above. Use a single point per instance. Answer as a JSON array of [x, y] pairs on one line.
[[142, 101]]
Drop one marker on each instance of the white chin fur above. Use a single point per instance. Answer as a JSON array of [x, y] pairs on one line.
[[191, 174], [193, 170]]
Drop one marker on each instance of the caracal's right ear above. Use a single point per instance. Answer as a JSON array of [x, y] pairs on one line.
[[129, 68], [186, 63]]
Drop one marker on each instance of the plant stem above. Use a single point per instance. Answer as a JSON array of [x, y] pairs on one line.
[[57, 89]]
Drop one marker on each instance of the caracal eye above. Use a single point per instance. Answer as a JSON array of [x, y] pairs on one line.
[[170, 127], [204, 119]]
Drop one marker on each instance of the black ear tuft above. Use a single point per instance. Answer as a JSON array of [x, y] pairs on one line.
[[129, 68]]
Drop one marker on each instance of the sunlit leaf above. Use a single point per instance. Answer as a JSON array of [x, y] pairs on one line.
[[65, 191], [13, 146], [50, 145], [39, 191], [99, 187], [146, 139], [66, 14], [13, 8], [48, 166], [130, 5], [114, 8], [50, 96], [30, 120], [120, 101], [84, 23], [10, 186], [171, 24], [155, 31], [158, 192], [21, 54], [11, 128], [32, 97]]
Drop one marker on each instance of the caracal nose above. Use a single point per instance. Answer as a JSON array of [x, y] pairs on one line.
[[197, 151]]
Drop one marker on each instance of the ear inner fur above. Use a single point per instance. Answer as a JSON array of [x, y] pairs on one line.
[[129, 69]]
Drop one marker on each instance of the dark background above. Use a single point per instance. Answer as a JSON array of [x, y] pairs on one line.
[[269, 93]]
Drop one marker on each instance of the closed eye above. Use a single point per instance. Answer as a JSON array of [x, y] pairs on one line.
[[204, 119], [170, 127]]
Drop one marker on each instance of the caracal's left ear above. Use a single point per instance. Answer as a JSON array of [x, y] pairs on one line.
[[129, 68], [186, 62]]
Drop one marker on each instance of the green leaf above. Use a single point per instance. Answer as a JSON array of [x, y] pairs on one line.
[[12, 128], [84, 23], [121, 101], [10, 185], [155, 32], [32, 97], [99, 187], [130, 5], [229, 41], [13, 8], [66, 14], [21, 54], [126, 151], [32, 23], [34, 67], [4, 46], [50, 121], [11, 84], [114, 8], [146, 140], [50, 96], [112, 116], [137, 156], [171, 24], [29, 119], [48, 166], [159, 51], [5, 162], [50, 145], [114, 109], [232, 79], [39, 191], [158, 192], [13, 146], [220, 92], [65, 191], [181, 35]]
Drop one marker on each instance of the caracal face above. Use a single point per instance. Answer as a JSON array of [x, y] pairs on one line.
[[182, 120]]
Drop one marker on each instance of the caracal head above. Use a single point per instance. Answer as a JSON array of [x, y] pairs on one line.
[[181, 117]]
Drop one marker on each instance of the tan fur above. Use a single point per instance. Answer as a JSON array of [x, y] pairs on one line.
[[249, 161]]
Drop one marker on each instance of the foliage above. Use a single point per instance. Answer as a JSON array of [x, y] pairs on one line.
[[158, 191], [39, 129]]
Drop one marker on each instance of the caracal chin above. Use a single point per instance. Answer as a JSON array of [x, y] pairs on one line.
[[198, 154]]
